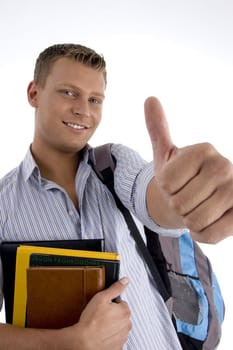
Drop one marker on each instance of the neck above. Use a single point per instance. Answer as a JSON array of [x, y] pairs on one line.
[[56, 166]]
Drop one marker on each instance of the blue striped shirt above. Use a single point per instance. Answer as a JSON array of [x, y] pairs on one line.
[[33, 208]]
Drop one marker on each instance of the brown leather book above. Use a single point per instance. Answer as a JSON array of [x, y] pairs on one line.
[[56, 296]]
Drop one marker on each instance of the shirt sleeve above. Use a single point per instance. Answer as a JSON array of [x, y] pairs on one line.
[[131, 178], [1, 225], [1, 285]]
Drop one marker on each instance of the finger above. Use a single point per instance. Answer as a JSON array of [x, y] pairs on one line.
[[216, 232], [181, 169], [185, 194], [210, 210], [212, 186], [116, 288], [158, 130]]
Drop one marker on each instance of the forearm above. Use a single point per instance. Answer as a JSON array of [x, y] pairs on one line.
[[12, 338]]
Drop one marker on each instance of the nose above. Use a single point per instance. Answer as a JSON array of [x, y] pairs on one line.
[[81, 108]]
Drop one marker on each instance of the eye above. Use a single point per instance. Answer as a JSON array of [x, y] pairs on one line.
[[68, 93], [95, 100]]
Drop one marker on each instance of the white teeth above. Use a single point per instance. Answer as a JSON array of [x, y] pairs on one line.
[[75, 126]]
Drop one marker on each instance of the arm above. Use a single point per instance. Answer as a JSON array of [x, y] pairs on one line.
[[103, 325], [193, 185], [28, 339]]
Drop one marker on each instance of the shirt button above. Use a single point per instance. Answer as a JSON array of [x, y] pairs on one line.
[[71, 213]]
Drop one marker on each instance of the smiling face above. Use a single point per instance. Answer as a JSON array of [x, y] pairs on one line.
[[68, 108]]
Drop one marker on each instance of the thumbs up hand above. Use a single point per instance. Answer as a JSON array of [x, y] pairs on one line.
[[192, 186]]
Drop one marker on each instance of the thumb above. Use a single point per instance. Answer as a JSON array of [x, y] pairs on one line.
[[114, 291], [158, 130]]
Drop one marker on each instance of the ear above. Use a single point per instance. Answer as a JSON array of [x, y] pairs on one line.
[[32, 93]]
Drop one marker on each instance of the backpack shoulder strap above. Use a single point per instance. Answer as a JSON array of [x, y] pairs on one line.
[[104, 164], [100, 159]]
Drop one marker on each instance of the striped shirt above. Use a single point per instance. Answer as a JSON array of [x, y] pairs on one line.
[[33, 208]]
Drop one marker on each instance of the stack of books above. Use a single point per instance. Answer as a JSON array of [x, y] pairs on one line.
[[53, 285]]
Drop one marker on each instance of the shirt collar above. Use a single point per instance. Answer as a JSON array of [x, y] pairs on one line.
[[29, 166]]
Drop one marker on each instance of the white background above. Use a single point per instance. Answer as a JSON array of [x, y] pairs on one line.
[[178, 50]]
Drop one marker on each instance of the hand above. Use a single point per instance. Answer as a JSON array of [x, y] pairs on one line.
[[103, 324], [195, 181]]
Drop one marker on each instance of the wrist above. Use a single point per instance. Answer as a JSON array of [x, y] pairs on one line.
[[72, 338]]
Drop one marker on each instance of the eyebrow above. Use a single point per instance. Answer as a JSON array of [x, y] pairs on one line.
[[76, 88]]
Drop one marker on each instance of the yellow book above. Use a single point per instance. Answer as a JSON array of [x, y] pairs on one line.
[[71, 258]]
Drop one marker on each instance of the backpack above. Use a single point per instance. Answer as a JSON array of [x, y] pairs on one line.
[[183, 274]]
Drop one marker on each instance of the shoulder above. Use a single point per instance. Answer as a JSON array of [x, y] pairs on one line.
[[8, 181], [122, 152], [8, 185], [127, 158], [14, 178]]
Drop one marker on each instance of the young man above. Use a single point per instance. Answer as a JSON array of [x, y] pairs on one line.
[[54, 194]]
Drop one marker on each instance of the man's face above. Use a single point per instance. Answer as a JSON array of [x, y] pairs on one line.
[[68, 107]]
